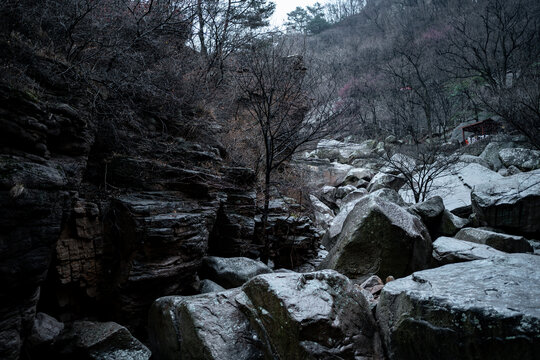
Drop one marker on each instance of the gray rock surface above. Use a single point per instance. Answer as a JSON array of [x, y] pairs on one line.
[[231, 272], [356, 174], [524, 159], [454, 186], [208, 286], [208, 326], [379, 237], [343, 191], [448, 250], [330, 237], [383, 180], [491, 153], [323, 214], [499, 241], [450, 224], [320, 315], [430, 211], [45, 330], [469, 159], [485, 309], [356, 194], [511, 203], [100, 341]]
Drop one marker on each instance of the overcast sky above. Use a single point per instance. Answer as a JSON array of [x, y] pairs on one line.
[[286, 6]]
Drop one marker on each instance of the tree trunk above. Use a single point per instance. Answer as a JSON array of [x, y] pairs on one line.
[[200, 14], [265, 255]]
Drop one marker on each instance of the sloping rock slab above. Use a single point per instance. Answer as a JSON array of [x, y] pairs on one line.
[[511, 203], [449, 250], [380, 237], [319, 315], [485, 309], [208, 326], [502, 242]]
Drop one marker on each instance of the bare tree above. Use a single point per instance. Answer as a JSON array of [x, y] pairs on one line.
[[498, 43], [420, 165], [289, 104]]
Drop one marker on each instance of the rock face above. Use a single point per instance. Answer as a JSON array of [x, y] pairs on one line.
[[34, 192], [231, 272], [208, 326], [293, 237], [511, 203], [485, 309], [379, 237], [524, 159], [160, 240], [502, 242], [449, 250], [319, 315]]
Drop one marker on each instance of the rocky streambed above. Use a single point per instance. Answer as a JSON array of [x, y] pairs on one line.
[[122, 255]]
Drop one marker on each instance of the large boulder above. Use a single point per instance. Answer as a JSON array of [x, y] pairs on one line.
[[448, 250], [45, 331], [380, 237], [454, 186], [484, 309], [323, 214], [98, 341], [383, 180], [343, 152], [524, 159], [208, 326], [450, 224], [320, 315], [356, 174], [430, 211], [491, 153], [470, 159], [511, 203], [343, 191], [348, 203], [231, 272], [499, 241], [323, 172]]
